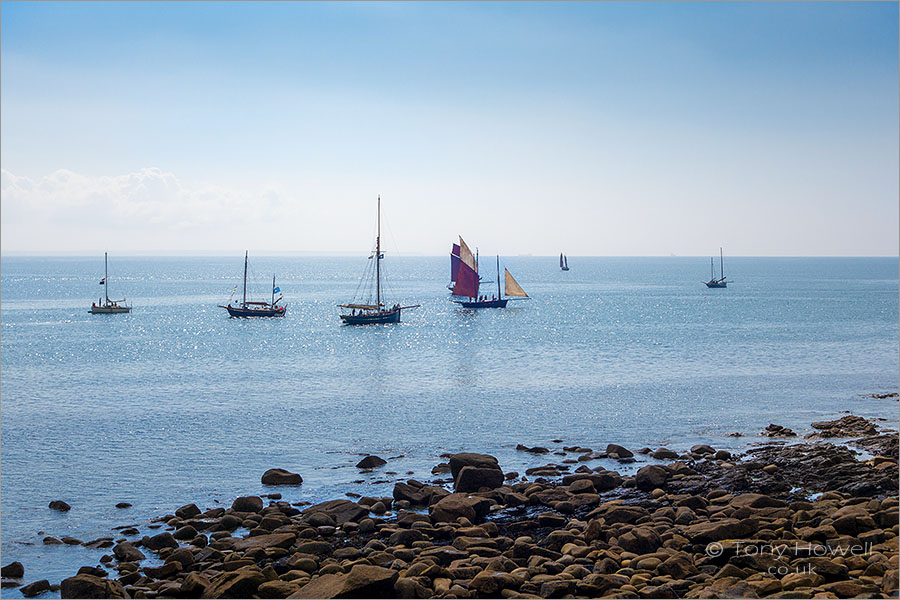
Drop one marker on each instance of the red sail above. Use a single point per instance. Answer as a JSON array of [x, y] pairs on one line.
[[454, 262], [466, 282]]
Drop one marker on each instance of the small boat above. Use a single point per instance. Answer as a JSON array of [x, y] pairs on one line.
[[366, 312], [255, 309], [563, 262], [108, 307], [717, 282], [467, 284]]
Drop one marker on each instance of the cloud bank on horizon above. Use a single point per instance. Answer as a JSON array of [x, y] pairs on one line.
[[594, 129]]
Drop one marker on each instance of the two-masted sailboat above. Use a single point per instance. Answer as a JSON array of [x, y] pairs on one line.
[[455, 252], [717, 282], [247, 308], [563, 262], [365, 312], [467, 284], [107, 306]]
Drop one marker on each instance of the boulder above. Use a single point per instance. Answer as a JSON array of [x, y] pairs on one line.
[[251, 504], [757, 501], [14, 570], [664, 454], [281, 477], [651, 477], [711, 531], [471, 459], [160, 541], [340, 510], [412, 494], [702, 449], [640, 540], [271, 540], [363, 581], [35, 588], [370, 462], [471, 479], [126, 552], [60, 506], [241, 583], [188, 511], [619, 451], [449, 508], [123, 505]]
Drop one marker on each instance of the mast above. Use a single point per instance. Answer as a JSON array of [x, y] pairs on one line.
[[246, 253], [106, 276], [499, 295], [378, 260], [722, 264], [712, 269], [273, 290]]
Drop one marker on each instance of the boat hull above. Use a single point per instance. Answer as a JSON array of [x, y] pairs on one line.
[[483, 303], [564, 268], [236, 311], [716, 284], [109, 310], [386, 316]]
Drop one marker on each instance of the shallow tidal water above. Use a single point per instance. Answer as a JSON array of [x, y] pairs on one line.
[[176, 403]]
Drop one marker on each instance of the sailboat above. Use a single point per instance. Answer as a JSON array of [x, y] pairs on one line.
[[108, 307], [563, 262], [467, 284], [717, 282], [367, 313], [455, 252], [255, 309]]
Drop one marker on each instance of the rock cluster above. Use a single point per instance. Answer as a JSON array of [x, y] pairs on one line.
[[845, 427], [703, 526], [773, 430]]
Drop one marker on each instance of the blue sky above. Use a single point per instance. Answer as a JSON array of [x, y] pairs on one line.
[[594, 128]]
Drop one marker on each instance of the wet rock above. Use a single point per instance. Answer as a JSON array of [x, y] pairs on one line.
[[449, 508], [123, 505], [341, 511], [15, 570], [70, 541], [60, 506], [534, 450], [188, 511], [619, 451], [773, 430], [664, 454], [280, 477], [126, 552], [160, 541], [272, 540], [849, 426], [8, 582], [250, 504], [702, 449], [651, 477], [712, 531], [277, 589], [471, 479], [35, 588], [370, 462], [471, 459], [640, 540], [240, 583], [363, 581]]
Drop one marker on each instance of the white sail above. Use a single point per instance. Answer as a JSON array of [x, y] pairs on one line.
[[466, 255], [512, 286]]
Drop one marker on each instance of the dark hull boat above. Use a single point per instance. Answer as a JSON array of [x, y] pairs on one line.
[[563, 262], [717, 282], [369, 313], [108, 307], [467, 282], [255, 309]]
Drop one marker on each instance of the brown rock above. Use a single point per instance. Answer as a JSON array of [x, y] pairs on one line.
[[340, 510], [363, 581], [35, 588], [450, 508], [241, 583], [126, 552], [277, 589], [471, 459], [471, 479], [15, 570], [651, 477], [370, 462], [280, 477], [272, 540], [250, 504], [91, 586], [619, 451]]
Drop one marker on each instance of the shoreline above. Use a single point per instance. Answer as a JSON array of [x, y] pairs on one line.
[[705, 524]]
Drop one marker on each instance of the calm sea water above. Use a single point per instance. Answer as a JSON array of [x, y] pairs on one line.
[[176, 403]]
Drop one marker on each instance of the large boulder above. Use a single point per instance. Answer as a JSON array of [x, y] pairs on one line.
[[471, 459], [126, 552], [712, 531], [251, 504], [411, 493], [651, 477], [241, 583], [619, 451], [35, 588], [271, 540], [363, 581], [281, 477], [60, 506], [15, 570], [370, 462], [451, 507], [91, 586], [471, 479], [640, 540], [160, 541], [340, 510]]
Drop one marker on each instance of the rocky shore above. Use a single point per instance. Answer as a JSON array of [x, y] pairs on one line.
[[783, 520]]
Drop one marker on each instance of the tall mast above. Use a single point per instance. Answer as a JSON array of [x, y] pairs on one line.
[[273, 290], [106, 276], [722, 263], [246, 253], [378, 260], [712, 269], [499, 295]]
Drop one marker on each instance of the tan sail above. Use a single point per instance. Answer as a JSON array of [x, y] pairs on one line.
[[512, 286], [466, 255]]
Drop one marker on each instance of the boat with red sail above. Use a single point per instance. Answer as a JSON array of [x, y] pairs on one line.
[[467, 284]]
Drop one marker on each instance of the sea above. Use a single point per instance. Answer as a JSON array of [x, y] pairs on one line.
[[177, 403]]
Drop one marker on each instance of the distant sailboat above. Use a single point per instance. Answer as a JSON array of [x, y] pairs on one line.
[[108, 307], [563, 262], [366, 313], [717, 282], [467, 285], [255, 309]]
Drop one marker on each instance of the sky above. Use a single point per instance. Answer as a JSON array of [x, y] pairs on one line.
[[597, 129]]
